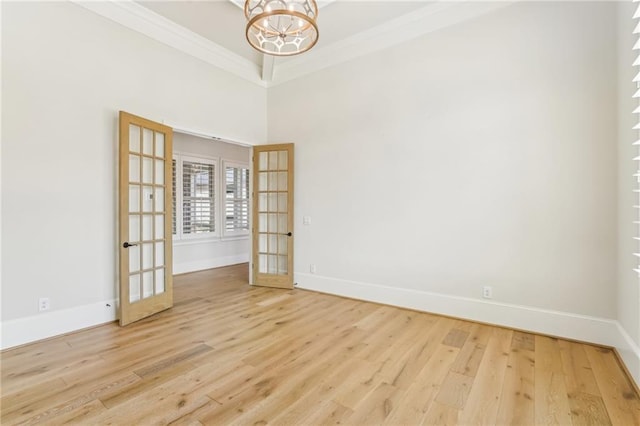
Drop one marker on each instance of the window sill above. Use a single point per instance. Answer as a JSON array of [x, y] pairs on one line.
[[196, 241]]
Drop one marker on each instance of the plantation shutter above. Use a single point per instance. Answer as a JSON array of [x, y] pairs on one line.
[[236, 199], [198, 197], [636, 64], [173, 197]]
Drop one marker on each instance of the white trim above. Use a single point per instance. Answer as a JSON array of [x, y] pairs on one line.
[[56, 322], [205, 135], [138, 18], [435, 16], [238, 237], [234, 163], [629, 352], [201, 265], [430, 18], [191, 242], [562, 324], [48, 324], [585, 328]]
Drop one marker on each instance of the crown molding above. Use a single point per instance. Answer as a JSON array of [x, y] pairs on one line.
[[435, 16], [140, 19], [430, 18]]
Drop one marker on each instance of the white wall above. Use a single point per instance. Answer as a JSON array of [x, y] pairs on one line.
[[478, 155], [628, 281], [65, 74], [198, 254]]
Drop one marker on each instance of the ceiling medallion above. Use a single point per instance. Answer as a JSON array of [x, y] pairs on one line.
[[281, 27]]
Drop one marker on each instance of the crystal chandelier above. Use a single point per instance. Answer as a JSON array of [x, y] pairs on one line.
[[281, 27]]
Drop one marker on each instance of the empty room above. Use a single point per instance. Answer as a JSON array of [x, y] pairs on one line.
[[299, 212]]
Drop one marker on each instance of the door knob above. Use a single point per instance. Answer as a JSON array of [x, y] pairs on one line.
[[127, 245]]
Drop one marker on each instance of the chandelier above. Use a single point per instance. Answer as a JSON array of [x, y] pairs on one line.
[[281, 27]]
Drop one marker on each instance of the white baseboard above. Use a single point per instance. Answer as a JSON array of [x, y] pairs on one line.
[[585, 328], [630, 353], [201, 265], [561, 324], [48, 324]]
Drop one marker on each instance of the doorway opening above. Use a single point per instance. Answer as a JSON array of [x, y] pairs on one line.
[[211, 216]]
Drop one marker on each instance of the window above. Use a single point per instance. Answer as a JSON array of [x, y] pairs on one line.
[[194, 197], [636, 152], [173, 192], [208, 202], [198, 197], [236, 202]]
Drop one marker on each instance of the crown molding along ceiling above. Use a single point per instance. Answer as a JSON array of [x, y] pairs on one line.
[[434, 15]]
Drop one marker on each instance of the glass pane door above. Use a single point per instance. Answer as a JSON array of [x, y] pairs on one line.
[[146, 213], [145, 210], [273, 215]]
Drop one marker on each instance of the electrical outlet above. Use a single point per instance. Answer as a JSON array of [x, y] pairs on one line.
[[44, 304], [312, 268], [487, 292]]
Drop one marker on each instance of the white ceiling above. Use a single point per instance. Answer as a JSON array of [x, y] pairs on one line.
[[223, 21], [220, 21], [214, 30]]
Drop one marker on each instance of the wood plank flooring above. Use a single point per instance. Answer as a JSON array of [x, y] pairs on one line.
[[229, 353]]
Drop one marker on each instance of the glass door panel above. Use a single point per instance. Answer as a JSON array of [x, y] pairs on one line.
[[145, 201], [273, 238]]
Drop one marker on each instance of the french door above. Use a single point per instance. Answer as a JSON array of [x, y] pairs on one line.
[[145, 212], [273, 215]]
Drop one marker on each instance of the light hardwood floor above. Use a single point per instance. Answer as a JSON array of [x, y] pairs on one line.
[[228, 353]]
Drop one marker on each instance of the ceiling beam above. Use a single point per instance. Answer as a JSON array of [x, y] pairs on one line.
[[321, 3], [267, 68]]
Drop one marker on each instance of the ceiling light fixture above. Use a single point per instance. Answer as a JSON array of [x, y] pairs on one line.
[[281, 27]]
